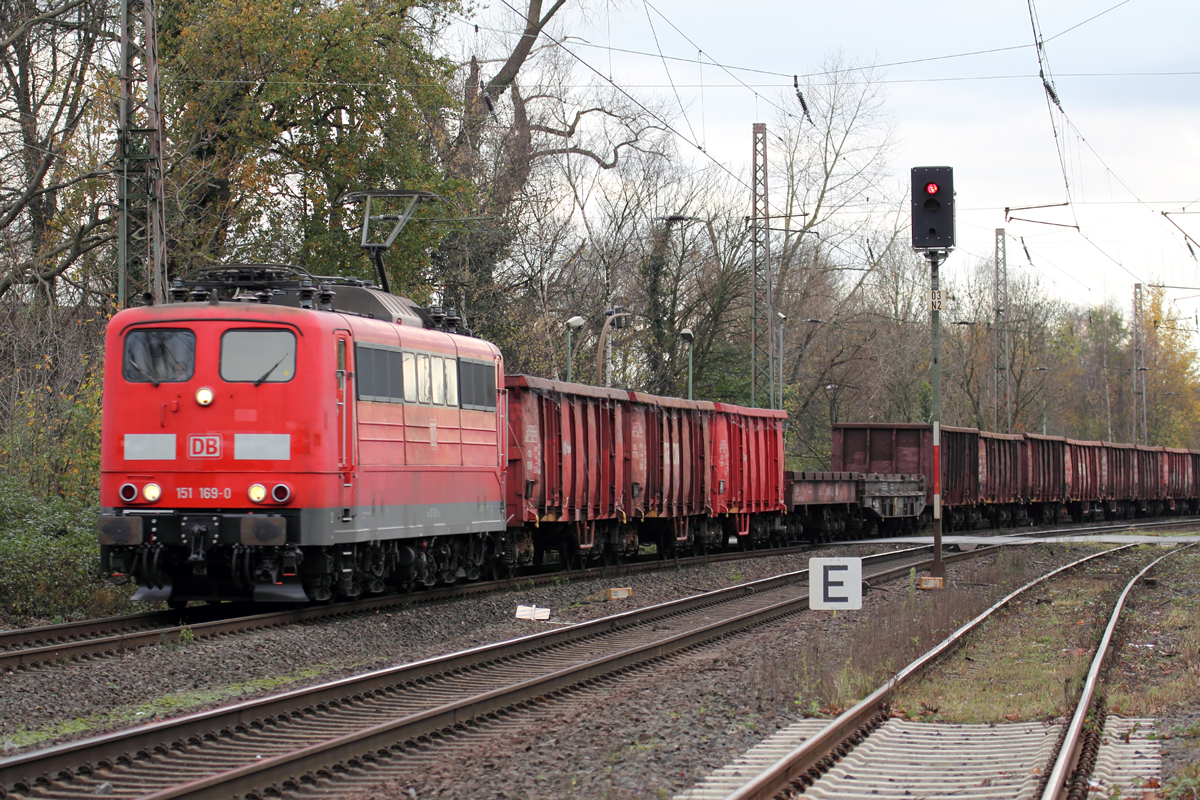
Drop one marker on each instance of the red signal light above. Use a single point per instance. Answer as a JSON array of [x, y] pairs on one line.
[[931, 188]]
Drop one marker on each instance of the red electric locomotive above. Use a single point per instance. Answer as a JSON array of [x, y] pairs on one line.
[[296, 442]]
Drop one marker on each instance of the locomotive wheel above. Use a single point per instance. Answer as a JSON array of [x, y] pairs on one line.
[[499, 571], [177, 605]]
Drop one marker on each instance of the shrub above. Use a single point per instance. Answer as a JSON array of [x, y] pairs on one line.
[[49, 559]]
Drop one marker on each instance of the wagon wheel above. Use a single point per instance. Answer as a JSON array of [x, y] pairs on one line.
[[568, 556]]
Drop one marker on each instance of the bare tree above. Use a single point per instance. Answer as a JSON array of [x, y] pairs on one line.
[[52, 212]]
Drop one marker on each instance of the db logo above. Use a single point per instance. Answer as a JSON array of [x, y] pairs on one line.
[[204, 445]]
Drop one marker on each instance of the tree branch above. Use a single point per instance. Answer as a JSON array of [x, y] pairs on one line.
[[29, 23]]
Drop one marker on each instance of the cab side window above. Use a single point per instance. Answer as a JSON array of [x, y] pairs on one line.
[[477, 385]]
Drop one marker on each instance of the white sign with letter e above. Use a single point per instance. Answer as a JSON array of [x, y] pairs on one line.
[[834, 584]]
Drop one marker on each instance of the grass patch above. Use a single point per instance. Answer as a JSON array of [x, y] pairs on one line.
[[1157, 667], [162, 706], [1184, 785], [830, 670], [1027, 662]]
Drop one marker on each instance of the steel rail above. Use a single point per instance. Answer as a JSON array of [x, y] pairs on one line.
[[66, 631], [793, 766], [24, 771], [299, 765], [1058, 784], [1081, 530], [75, 640], [32, 647], [108, 626]]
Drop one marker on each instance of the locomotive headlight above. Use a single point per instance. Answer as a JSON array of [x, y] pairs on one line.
[[151, 492], [257, 493], [204, 396]]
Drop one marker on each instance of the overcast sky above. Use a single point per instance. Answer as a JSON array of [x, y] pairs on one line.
[[1128, 80]]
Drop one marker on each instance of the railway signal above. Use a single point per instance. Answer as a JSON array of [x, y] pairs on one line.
[[933, 233], [933, 208]]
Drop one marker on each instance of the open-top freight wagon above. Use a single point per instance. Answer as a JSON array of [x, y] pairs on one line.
[[993, 479]]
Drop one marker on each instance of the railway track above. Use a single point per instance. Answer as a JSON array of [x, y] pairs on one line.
[[26, 648], [374, 722], [862, 753]]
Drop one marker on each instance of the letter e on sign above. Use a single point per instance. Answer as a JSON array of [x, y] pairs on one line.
[[834, 584]]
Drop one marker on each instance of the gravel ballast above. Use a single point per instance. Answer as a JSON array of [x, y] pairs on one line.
[[661, 732], [67, 701], [647, 735]]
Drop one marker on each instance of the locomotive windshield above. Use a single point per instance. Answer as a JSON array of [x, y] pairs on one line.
[[258, 356], [159, 355]]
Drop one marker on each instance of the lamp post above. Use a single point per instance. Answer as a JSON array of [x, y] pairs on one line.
[[782, 319], [574, 323], [1145, 433], [689, 337], [612, 314], [1043, 369]]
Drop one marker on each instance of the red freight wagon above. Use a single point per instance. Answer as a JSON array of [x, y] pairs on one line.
[[1000, 477], [677, 481], [569, 454], [1177, 476], [899, 448], [1194, 461], [1044, 476], [826, 504], [999, 467], [1194, 488], [1149, 476], [1085, 477], [747, 445], [1121, 488]]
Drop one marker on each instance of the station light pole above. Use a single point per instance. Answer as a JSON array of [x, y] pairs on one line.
[[689, 337], [574, 323], [1043, 388], [614, 317], [782, 319]]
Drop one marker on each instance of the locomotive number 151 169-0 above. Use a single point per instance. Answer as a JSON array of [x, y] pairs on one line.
[[204, 493]]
